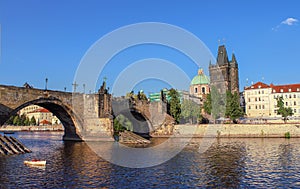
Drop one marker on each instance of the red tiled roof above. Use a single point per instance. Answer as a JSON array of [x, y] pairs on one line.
[[276, 88], [258, 85], [286, 88], [40, 110], [45, 122]]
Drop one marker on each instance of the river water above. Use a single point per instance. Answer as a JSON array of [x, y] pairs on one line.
[[228, 163]]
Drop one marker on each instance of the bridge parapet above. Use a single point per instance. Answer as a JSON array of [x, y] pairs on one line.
[[81, 114]]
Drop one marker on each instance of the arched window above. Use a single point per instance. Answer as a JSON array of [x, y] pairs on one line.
[[203, 90], [196, 90]]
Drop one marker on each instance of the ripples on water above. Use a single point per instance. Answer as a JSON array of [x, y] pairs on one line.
[[228, 163]]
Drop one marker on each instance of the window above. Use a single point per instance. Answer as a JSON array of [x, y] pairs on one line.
[[196, 90], [294, 95], [258, 92], [259, 106], [295, 111], [281, 90], [259, 99], [248, 99], [203, 90], [263, 92], [290, 96], [263, 106], [295, 104], [249, 107], [290, 90], [274, 91], [255, 106], [286, 103], [255, 99]]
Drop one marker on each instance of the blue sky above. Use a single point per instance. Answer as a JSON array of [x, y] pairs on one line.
[[47, 39]]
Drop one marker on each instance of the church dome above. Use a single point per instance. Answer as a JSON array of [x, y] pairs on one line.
[[200, 79]]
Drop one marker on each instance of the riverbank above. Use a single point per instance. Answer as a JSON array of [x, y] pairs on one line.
[[32, 128], [238, 130]]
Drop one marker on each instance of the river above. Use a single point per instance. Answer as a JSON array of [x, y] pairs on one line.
[[228, 163]]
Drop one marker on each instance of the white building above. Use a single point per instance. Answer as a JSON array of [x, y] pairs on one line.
[[261, 99], [41, 115]]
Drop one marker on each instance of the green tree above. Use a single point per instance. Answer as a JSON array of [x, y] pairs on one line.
[[122, 123], [190, 111], [233, 109], [215, 103], [10, 120], [32, 121], [175, 107], [283, 111], [27, 121], [22, 120], [16, 120], [207, 104]]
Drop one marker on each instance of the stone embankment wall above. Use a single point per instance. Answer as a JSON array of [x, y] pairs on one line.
[[237, 130], [32, 128]]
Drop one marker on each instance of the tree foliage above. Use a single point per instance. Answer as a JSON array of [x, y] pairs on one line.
[[174, 103], [233, 109], [283, 111], [190, 111], [122, 123], [33, 121], [215, 103]]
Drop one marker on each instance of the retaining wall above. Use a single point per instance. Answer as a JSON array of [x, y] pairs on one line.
[[237, 130]]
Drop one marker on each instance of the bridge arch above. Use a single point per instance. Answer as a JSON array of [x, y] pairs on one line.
[[72, 124], [140, 123]]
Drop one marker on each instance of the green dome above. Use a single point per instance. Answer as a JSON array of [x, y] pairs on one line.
[[200, 79]]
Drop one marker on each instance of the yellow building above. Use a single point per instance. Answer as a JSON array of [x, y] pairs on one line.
[[261, 99]]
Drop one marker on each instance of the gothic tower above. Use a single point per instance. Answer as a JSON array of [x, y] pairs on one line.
[[224, 74]]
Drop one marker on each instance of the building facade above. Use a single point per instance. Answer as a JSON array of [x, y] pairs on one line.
[[224, 75], [261, 99], [40, 114]]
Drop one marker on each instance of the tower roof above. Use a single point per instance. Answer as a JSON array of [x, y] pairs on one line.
[[200, 79], [222, 55]]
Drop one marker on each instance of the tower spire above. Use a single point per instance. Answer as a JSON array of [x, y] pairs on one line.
[[222, 58]]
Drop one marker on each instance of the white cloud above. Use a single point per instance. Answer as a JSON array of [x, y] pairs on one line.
[[289, 21]]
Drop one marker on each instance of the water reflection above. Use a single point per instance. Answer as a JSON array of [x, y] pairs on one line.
[[228, 163], [225, 162]]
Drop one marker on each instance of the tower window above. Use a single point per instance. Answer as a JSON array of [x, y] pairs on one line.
[[203, 90], [196, 90]]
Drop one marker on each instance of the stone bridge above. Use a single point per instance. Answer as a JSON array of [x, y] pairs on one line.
[[84, 116], [146, 117]]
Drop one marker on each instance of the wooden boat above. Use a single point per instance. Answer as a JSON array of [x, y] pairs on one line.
[[35, 162]]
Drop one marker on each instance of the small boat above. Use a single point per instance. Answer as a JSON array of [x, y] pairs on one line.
[[35, 162], [8, 132]]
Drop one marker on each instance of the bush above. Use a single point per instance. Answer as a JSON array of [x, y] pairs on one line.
[[287, 135]]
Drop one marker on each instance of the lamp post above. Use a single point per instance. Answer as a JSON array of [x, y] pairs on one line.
[[46, 84]]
